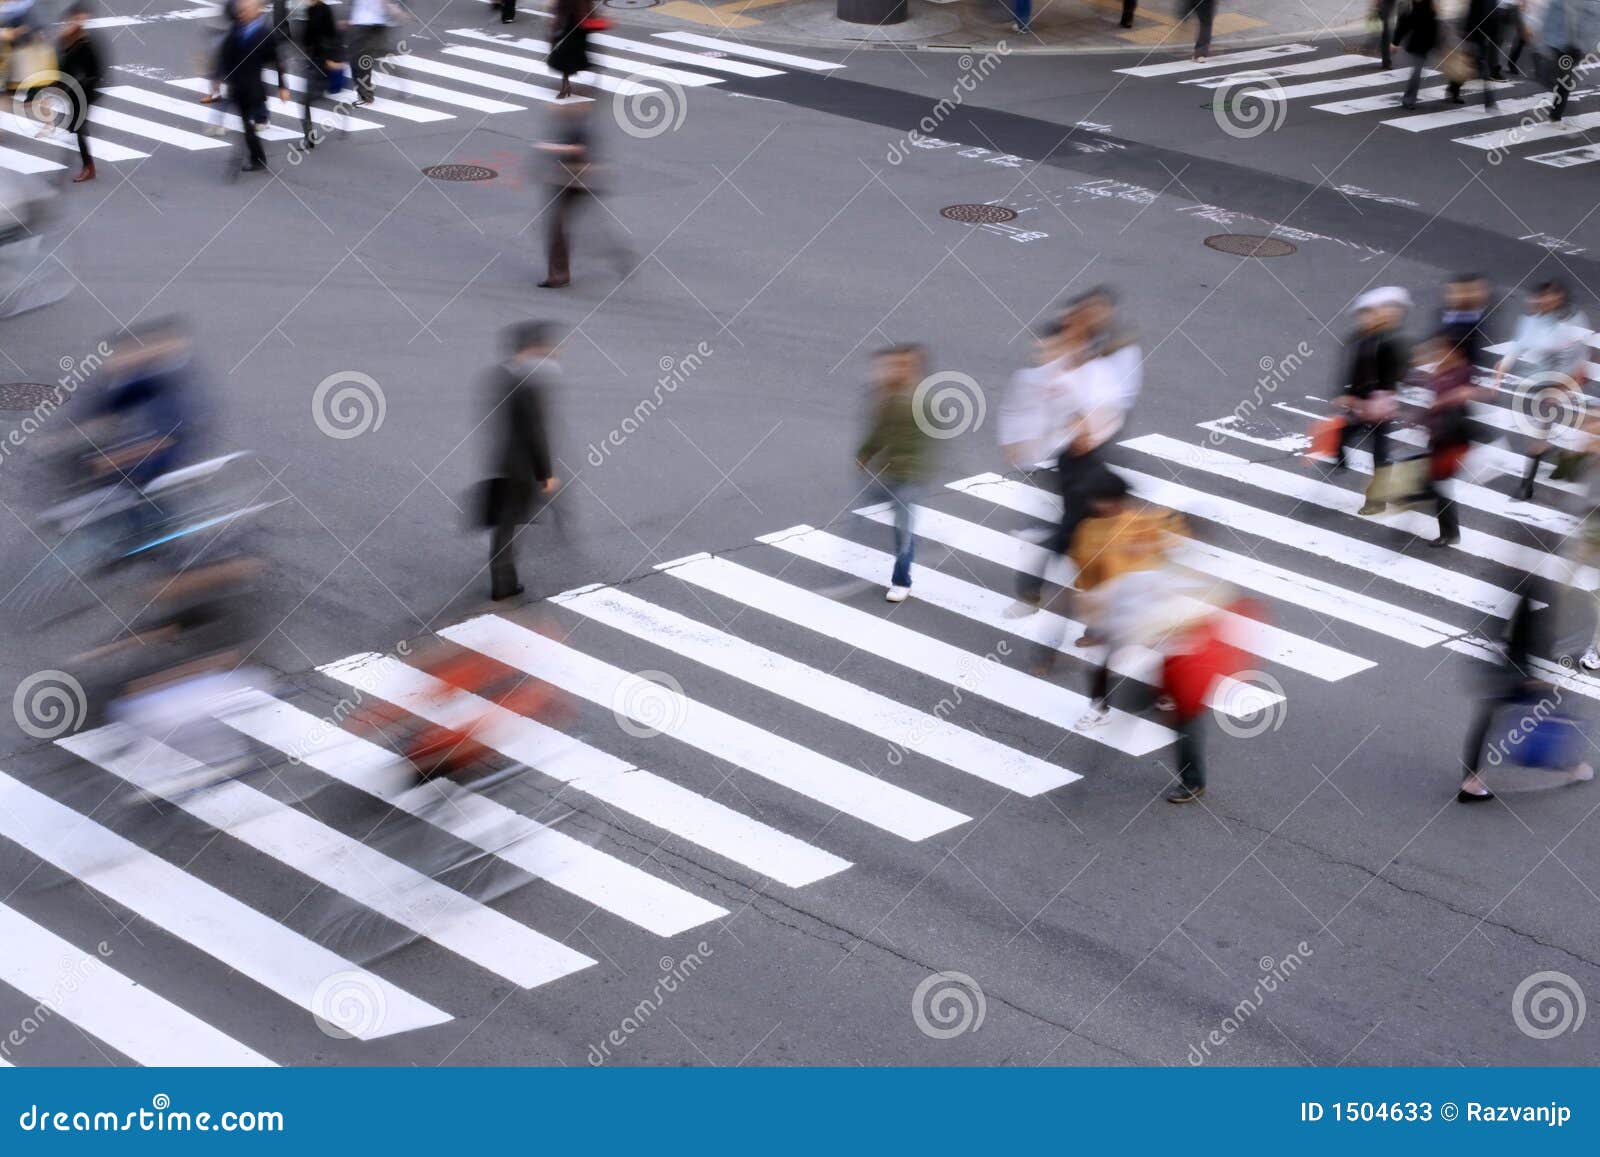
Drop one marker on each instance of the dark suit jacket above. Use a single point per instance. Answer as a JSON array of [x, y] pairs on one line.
[[319, 36], [522, 453], [245, 53], [79, 60]]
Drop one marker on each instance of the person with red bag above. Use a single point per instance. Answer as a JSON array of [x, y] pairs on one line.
[[1378, 360], [570, 24], [1449, 425], [1196, 658]]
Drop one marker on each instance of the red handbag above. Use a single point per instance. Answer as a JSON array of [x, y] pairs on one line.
[[1325, 435], [594, 24]]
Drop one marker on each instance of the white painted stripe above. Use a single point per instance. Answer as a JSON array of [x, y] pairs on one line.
[[1342, 84], [632, 69], [1226, 60], [1296, 652], [104, 150], [618, 784], [19, 162], [679, 56], [501, 84], [735, 48], [327, 118], [1331, 497], [786, 763], [1466, 494], [569, 864], [938, 660], [443, 95], [260, 948], [1568, 158], [526, 66], [1390, 100], [1043, 627], [456, 922], [1528, 134], [1354, 552], [900, 726], [1467, 114], [1303, 68], [1567, 678], [378, 106], [1253, 574], [139, 126], [81, 987], [189, 110]]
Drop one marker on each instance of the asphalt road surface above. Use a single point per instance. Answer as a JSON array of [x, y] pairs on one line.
[[783, 815]]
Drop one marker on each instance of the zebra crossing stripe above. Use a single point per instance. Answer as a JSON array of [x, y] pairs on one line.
[[1341, 84], [1532, 133], [1563, 676], [103, 149], [19, 162], [678, 56], [736, 48], [378, 106], [156, 131], [501, 84], [1303, 68], [782, 761], [658, 801], [629, 68], [397, 891], [1466, 115], [982, 676], [1566, 159], [1245, 571], [1226, 60], [443, 95], [83, 989], [898, 725], [568, 864], [327, 118], [1285, 648], [251, 943], [1391, 100], [189, 110], [528, 66]]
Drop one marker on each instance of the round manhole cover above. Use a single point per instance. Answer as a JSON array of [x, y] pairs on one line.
[[20, 396], [1250, 245], [631, 3], [978, 214], [460, 173]]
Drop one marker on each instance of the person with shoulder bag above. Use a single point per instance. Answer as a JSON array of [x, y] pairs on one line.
[[1417, 32]]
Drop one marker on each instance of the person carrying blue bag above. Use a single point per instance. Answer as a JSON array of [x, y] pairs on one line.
[[324, 54]]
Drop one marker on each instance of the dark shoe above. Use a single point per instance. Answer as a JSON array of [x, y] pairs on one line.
[[1408, 104], [510, 594], [1465, 796], [85, 174], [311, 139], [1183, 793], [1524, 492], [1446, 540], [1126, 22], [254, 167], [551, 283]]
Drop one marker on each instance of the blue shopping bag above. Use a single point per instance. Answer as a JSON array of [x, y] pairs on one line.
[[338, 79], [1554, 743]]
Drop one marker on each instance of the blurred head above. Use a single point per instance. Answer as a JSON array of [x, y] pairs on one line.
[[1047, 343], [529, 340], [1548, 297], [247, 10], [1094, 310], [898, 366], [1467, 291], [75, 15], [166, 339]]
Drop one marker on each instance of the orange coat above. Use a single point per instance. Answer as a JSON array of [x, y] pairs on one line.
[[1130, 540]]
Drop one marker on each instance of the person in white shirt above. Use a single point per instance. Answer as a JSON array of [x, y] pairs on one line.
[[1024, 422], [368, 24], [1551, 349]]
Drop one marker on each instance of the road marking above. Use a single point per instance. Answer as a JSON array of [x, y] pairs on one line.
[[782, 761], [1450, 118], [193, 142], [1342, 84], [1227, 60], [104, 150], [378, 106], [501, 84], [735, 48], [190, 110], [327, 118], [699, 60], [276, 957], [629, 68], [530, 67], [1524, 134], [1567, 158], [82, 988], [26, 162], [1391, 100], [1304, 68], [443, 95]]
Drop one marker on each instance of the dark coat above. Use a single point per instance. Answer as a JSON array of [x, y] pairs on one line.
[[79, 61], [522, 451], [1417, 30], [569, 40], [319, 37], [1481, 21], [1377, 362], [245, 53]]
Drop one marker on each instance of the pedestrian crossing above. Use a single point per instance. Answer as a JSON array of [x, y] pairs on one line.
[[1302, 73], [746, 712], [474, 74]]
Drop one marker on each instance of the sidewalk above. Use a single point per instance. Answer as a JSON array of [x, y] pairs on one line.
[[1059, 26]]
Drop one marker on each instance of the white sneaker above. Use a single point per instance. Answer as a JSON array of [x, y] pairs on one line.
[[1590, 660], [897, 594], [1583, 773], [1093, 717]]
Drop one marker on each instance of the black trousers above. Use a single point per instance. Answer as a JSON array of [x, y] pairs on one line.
[[1129, 7], [565, 205], [370, 42], [1385, 13], [1074, 475], [1191, 757], [316, 90], [1566, 80], [503, 552], [508, 11], [83, 142], [249, 114], [1355, 431]]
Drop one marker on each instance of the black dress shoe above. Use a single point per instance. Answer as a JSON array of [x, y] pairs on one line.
[[254, 167], [500, 597], [1446, 540], [551, 283], [1473, 797], [1184, 794]]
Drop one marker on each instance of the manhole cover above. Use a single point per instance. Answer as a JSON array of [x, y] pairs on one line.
[[460, 173], [1250, 245], [631, 3], [978, 214], [22, 396]]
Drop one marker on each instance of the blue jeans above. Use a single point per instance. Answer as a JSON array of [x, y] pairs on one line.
[[1021, 11], [902, 495]]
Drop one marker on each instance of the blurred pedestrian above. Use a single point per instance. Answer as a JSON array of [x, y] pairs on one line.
[[1203, 11], [1366, 399], [1570, 30], [323, 52], [368, 25], [1383, 15], [1551, 347], [522, 464], [1129, 7], [1464, 312], [1417, 32], [572, 172], [80, 62], [1024, 424], [1449, 425], [569, 41], [249, 50], [1478, 32], [897, 450]]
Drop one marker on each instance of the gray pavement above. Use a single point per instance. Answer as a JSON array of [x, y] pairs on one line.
[[1100, 925]]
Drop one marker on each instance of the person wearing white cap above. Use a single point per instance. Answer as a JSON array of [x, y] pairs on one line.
[[1552, 346], [1378, 360]]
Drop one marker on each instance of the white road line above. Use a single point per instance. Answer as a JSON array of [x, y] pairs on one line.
[[628, 68], [443, 95], [501, 84], [701, 821], [327, 118], [678, 56], [101, 1001], [809, 773], [527, 66], [378, 106], [1226, 60], [734, 48], [1250, 573], [1353, 552], [1286, 648], [900, 726], [938, 660], [1304, 68], [19, 162], [412, 900], [1560, 674], [1341, 84], [104, 150], [1568, 158], [1530, 134], [1467, 114], [1331, 497], [568, 864], [190, 110], [276, 957], [1391, 100], [138, 126]]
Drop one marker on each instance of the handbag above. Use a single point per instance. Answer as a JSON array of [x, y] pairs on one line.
[[1398, 482], [1325, 437], [1457, 67], [594, 24], [338, 80]]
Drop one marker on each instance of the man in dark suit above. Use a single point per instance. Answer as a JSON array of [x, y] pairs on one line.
[[522, 465], [249, 48]]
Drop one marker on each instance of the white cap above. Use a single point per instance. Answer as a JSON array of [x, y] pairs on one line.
[[1384, 296]]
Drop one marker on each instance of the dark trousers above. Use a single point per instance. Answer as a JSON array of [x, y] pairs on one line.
[[250, 114], [508, 11], [83, 142], [316, 90], [1444, 508], [503, 551], [1414, 81], [1191, 759], [1203, 11], [1074, 473], [1129, 7], [1355, 432], [1566, 80], [1385, 31], [369, 42], [1481, 51], [561, 212]]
